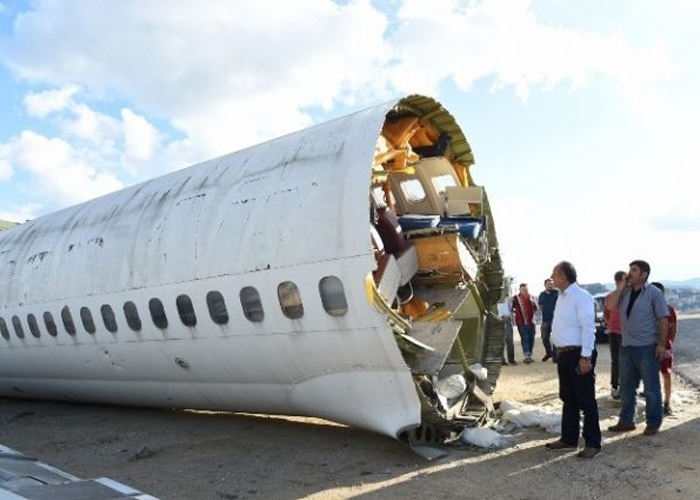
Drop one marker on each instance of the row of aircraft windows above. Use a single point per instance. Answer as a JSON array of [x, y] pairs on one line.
[[330, 288]]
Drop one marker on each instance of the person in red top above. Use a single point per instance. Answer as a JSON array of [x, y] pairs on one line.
[[524, 307], [666, 365], [614, 331]]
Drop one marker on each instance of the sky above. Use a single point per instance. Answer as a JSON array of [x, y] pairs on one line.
[[583, 116]]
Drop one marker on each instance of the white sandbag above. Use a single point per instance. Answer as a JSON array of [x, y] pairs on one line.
[[479, 371], [524, 418], [551, 423], [508, 405], [451, 387], [482, 437], [529, 415], [514, 416], [532, 415]]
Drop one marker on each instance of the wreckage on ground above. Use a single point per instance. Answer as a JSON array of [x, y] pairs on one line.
[[349, 271]]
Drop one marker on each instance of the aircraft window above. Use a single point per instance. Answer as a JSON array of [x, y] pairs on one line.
[[50, 324], [413, 190], [251, 304], [3, 329], [217, 308], [33, 325], [158, 313], [18, 327], [290, 300], [108, 318], [68, 321], [185, 310], [86, 318], [131, 313], [333, 296], [442, 182]]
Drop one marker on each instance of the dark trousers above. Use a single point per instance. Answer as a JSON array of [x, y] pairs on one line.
[[509, 345], [527, 339], [578, 394], [546, 332], [614, 339]]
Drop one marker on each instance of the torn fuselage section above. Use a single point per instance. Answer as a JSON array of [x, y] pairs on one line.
[[438, 274]]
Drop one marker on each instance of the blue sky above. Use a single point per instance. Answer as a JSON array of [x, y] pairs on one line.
[[582, 115]]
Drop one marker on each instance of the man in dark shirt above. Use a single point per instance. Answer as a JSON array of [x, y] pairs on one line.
[[547, 300], [644, 322]]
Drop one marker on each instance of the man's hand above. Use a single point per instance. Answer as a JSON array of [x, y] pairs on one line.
[[585, 365], [661, 352]]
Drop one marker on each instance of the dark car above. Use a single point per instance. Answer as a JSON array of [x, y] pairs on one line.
[[600, 325]]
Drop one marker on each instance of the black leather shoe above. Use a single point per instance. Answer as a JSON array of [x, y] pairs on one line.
[[622, 427], [588, 452], [559, 445], [546, 357]]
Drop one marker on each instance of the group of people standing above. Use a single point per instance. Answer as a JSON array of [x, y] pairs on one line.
[[641, 328], [522, 308]]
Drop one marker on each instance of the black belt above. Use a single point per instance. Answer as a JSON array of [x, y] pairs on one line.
[[568, 348]]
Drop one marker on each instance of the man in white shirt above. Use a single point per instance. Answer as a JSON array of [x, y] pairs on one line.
[[573, 332]]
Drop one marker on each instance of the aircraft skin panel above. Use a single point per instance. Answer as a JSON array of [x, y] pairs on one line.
[[275, 325], [264, 358], [240, 213], [351, 398], [275, 366]]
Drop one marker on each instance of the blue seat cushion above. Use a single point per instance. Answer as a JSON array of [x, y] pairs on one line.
[[415, 221], [469, 227]]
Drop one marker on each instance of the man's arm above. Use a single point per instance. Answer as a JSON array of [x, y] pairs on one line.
[[614, 301], [534, 303], [585, 314], [663, 335]]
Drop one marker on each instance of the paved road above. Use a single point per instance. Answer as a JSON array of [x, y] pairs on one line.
[[686, 349]]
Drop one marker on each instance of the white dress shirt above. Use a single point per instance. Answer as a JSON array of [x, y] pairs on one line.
[[574, 320]]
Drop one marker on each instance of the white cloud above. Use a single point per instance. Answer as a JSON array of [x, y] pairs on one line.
[[22, 213], [211, 69], [190, 61], [140, 137], [41, 104], [504, 38], [58, 172], [6, 170], [75, 119], [86, 124]]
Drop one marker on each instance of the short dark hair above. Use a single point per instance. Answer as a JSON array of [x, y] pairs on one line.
[[523, 284], [619, 276], [643, 266], [659, 286], [547, 280], [569, 270]]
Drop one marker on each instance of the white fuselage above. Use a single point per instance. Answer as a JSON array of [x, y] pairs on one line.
[[291, 210], [246, 283]]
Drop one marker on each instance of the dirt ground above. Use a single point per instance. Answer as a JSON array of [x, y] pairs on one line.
[[213, 456]]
